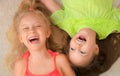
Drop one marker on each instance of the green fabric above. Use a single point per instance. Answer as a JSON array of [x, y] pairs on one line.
[[99, 15]]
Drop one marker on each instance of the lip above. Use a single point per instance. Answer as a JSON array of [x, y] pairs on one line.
[[80, 39], [33, 39]]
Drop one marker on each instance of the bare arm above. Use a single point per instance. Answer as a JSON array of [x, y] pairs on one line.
[[64, 65], [19, 68], [51, 5]]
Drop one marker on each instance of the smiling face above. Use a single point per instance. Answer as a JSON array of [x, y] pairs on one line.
[[83, 48], [33, 31]]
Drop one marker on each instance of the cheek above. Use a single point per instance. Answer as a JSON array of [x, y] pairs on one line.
[[73, 56], [71, 43], [46, 33], [75, 59]]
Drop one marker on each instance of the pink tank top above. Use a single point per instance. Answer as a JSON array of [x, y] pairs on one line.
[[55, 72]]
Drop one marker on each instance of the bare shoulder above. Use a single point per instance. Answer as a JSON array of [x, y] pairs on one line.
[[19, 67], [19, 63], [64, 65], [61, 58], [62, 61]]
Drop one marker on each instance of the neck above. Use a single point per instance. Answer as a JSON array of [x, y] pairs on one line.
[[36, 55]]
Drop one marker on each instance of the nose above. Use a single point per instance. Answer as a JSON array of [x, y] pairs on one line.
[[78, 45], [81, 49], [32, 30]]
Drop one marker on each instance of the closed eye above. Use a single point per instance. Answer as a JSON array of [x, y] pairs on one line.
[[38, 26], [72, 49], [83, 52], [25, 28]]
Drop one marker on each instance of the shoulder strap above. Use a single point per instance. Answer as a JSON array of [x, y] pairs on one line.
[[54, 54], [26, 56]]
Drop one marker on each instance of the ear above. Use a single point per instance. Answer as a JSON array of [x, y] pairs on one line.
[[20, 38], [96, 49], [48, 33]]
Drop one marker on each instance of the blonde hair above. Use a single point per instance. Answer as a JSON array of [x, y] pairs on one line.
[[12, 34]]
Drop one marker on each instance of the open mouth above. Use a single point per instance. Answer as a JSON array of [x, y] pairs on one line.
[[34, 40], [81, 38]]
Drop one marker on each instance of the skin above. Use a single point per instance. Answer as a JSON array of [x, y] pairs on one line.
[[83, 47], [81, 51], [33, 33]]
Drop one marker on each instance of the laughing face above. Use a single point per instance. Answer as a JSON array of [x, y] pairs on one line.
[[83, 48], [33, 31]]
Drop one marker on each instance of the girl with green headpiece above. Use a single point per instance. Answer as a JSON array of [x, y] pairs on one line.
[[84, 21]]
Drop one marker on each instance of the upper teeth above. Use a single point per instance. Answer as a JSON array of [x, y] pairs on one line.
[[33, 38]]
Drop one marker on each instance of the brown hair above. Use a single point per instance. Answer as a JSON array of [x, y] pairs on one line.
[[109, 52]]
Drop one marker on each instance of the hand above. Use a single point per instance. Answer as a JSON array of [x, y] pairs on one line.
[[51, 5], [46, 1]]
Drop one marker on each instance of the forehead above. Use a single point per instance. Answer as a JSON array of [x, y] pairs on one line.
[[32, 17], [79, 60]]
